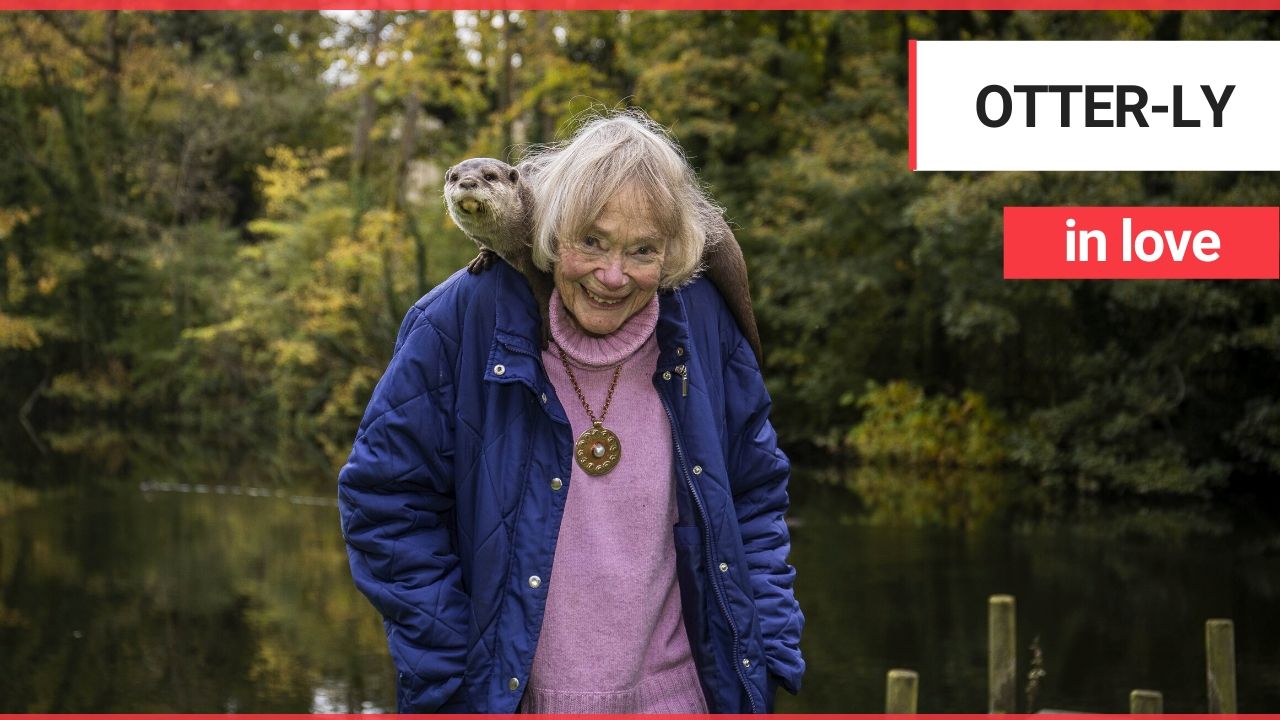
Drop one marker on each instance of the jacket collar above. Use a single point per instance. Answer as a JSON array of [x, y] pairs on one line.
[[517, 328], [673, 330], [515, 354]]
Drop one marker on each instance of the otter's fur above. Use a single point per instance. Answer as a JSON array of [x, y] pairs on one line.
[[493, 205], [726, 268]]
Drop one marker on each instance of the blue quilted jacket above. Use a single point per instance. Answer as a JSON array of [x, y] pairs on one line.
[[448, 504]]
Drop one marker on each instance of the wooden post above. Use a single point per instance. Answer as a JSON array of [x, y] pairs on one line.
[[1002, 655], [1220, 666], [1146, 702], [902, 692]]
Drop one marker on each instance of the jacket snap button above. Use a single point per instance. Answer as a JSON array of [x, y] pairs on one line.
[[499, 369], [724, 567], [534, 581], [513, 684], [666, 376], [697, 469], [746, 662], [556, 483], [544, 398], [679, 351]]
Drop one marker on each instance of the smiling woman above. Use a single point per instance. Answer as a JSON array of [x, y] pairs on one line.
[[661, 582], [613, 272]]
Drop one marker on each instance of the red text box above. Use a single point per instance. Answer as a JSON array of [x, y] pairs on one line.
[[1141, 243]]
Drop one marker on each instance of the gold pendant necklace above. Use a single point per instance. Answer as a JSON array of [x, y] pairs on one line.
[[597, 450]]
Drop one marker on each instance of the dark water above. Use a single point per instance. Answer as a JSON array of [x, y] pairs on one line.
[[1117, 600], [145, 594]]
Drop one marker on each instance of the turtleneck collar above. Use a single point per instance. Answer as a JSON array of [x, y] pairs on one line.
[[604, 351]]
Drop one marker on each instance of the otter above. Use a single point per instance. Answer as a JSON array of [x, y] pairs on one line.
[[491, 203]]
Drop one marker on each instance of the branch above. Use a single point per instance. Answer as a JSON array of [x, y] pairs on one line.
[[52, 182], [51, 19], [45, 84], [26, 411]]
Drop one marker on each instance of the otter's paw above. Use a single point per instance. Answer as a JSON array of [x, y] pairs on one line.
[[482, 262]]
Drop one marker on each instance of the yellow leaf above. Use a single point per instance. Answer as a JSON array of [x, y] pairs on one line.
[[17, 333]]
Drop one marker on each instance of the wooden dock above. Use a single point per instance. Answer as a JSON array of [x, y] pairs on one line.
[[903, 685]]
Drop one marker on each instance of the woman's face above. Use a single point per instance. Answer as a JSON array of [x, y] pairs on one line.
[[612, 272]]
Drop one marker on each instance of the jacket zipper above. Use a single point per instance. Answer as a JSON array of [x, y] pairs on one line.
[[708, 557]]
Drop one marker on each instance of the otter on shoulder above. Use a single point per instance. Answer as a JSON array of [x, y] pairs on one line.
[[489, 201], [492, 204]]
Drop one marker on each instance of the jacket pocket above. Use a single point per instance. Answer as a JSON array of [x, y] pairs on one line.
[[688, 536]]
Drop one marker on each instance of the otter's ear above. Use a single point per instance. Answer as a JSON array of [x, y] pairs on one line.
[[514, 175]]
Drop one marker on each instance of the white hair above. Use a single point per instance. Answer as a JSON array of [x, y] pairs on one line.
[[629, 152]]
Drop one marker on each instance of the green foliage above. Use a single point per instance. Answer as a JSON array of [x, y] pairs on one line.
[[13, 499], [1257, 435], [312, 307], [901, 425], [18, 333]]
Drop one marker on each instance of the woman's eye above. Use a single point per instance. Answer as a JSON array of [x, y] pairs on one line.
[[591, 241], [644, 250]]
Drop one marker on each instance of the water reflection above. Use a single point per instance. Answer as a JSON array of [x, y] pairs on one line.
[[1117, 597], [214, 581], [122, 600], [927, 497]]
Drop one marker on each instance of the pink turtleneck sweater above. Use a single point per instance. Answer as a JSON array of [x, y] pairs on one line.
[[613, 637]]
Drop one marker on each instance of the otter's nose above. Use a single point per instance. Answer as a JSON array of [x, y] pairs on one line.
[[469, 184]]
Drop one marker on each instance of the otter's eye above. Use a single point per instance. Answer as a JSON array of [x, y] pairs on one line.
[[490, 177]]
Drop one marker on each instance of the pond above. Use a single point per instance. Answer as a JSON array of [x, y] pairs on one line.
[[123, 590]]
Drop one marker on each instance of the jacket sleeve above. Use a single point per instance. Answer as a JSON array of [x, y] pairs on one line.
[[396, 497], [758, 474]]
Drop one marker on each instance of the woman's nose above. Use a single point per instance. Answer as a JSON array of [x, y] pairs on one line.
[[611, 275]]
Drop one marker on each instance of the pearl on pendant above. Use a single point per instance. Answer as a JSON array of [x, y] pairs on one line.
[[598, 450]]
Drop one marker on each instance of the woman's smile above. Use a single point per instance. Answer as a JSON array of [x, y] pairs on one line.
[[606, 302]]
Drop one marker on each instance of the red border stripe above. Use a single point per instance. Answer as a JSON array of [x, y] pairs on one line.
[[397, 5]]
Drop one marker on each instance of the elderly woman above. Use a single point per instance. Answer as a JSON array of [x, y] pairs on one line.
[[598, 526]]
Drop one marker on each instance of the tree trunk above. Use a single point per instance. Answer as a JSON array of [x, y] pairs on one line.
[[117, 174], [408, 148], [368, 107], [364, 127], [507, 82]]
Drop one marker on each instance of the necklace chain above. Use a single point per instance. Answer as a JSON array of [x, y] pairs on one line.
[[617, 370]]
